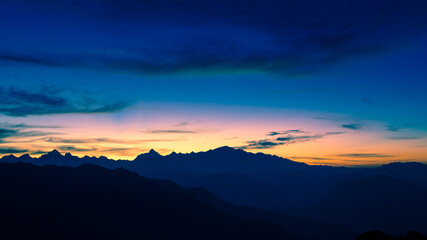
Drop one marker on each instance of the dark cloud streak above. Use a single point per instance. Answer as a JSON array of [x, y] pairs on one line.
[[76, 149], [285, 140], [105, 140], [12, 150], [275, 36], [352, 126], [261, 144], [21, 103], [285, 132], [5, 133], [25, 126], [365, 155]]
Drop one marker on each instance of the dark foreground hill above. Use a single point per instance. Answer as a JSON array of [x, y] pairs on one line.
[[377, 235], [91, 202], [273, 183], [377, 202]]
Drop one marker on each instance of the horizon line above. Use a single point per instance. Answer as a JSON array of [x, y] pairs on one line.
[[63, 154]]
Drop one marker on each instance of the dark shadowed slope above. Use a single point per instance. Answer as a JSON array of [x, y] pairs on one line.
[[253, 180], [410, 171], [269, 182], [91, 202], [107, 195], [377, 203], [377, 235], [303, 227]]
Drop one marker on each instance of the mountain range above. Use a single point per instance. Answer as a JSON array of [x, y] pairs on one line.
[[389, 198]]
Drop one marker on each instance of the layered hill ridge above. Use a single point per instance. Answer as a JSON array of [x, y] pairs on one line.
[[276, 184], [92, 202]]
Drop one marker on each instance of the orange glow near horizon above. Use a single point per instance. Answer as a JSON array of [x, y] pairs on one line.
[[136, 131]]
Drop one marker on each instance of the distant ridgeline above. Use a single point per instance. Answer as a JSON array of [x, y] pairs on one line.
[[390, 198], [92, 202]]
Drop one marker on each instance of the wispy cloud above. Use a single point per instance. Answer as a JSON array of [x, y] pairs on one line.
[[365, 155], [30, 59], [270, 36], [405, 137], [6, 150], [313, 158], [399, 127], [18, 133], [352, 126], [76, 149], [274, 133], [182, 124], [393, 128], [23, 125], [284, 140], [4, 133], [105, 140], [261, 144], [63, 140], [295, 139], [187, 123], [19, 102], [115, 149]]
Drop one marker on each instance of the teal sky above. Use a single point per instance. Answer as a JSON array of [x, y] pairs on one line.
[[359, 65]]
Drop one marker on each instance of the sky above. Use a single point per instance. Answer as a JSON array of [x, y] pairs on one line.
[[340, 83]]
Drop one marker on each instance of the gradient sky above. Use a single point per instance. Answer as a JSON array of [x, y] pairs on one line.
[[323, 82]]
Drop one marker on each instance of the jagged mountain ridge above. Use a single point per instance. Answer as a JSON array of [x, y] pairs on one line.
[[222, 157], [245, 179], [220, 160]]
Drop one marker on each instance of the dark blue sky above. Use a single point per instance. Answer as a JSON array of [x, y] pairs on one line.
[[365, 60]]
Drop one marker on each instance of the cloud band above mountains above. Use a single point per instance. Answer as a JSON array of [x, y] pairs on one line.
[[272, 36]]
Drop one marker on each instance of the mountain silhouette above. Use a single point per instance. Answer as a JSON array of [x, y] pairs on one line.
[[52, 155], [150, 155], [274, 184], [91, 202], [303, 227], [411, 171]]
